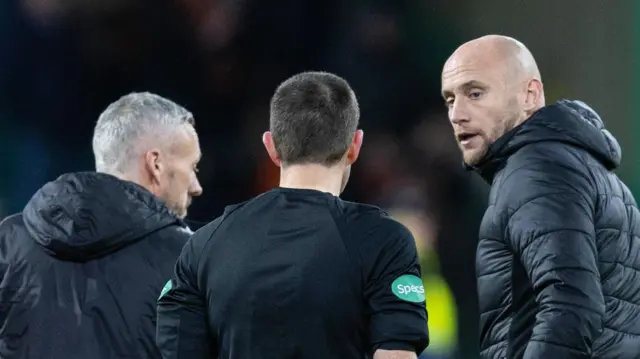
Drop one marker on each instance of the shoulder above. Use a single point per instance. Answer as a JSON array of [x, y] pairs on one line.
[[541, 170], [548, 158], [178, 230], [169, 240], [384, 245], [365, 217], [374, 229], [12, 226], [12, 229], [203, 235], [12, 221]]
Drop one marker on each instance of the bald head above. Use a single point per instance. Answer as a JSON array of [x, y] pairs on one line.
[[513, 59], [490, 85]]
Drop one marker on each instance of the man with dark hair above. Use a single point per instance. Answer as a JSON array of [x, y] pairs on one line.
[[296, 272], [82, 266], [314, 117]]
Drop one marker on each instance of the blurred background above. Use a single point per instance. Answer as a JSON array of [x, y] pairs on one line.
[[63, 61]]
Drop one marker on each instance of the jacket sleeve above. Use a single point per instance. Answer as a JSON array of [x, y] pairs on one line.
[[182, 331], [552, 232]]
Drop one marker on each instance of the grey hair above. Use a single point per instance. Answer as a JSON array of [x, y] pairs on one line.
[[127, 121]]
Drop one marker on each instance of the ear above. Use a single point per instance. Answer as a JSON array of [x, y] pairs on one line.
[[267, 140], [354, 148], [535, 96], [154, 165]]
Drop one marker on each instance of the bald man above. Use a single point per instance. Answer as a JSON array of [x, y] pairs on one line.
[[558, 262]]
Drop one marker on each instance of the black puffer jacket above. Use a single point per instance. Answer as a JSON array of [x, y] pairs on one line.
[[558, 262], [81, 269]]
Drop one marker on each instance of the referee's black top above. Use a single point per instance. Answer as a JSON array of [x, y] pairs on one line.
[[294, 274]]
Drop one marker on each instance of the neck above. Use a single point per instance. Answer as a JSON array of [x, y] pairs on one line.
[[526, 117], [313, 176], [539, 105], [131, 177], [124, 176]]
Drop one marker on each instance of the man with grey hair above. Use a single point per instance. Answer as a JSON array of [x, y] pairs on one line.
[[82, 266], [151, 141]]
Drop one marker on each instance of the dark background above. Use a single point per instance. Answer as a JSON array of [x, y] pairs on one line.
[[63, 61]]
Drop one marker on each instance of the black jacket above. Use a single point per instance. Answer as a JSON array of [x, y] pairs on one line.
[[81, 269], [558, 263]]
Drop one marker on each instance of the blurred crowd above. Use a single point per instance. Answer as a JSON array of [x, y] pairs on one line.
[[63, 61]]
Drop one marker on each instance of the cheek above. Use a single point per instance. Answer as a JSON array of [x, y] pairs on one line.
[[180, 182], [185, 181], [494, 125], [486, 126], [494, 132]]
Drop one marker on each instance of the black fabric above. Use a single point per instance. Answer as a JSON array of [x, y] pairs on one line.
[[195, 225], [559, 255], [294, 274], [81, 268]]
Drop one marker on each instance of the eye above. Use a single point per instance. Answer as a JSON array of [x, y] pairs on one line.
[[475, 94], [448, 102]]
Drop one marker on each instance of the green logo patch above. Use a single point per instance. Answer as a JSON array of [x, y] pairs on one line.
[[409, 288], [167, 287]]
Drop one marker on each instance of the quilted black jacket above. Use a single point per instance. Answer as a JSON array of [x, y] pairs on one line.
[[558, 262], [81, 269]]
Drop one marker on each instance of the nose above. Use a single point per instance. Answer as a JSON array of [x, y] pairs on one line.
[[458, 112], [195, 189]]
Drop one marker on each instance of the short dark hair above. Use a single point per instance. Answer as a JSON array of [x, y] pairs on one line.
[[314, 116]]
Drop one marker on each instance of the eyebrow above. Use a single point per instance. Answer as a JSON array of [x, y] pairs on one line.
[[466, 87]]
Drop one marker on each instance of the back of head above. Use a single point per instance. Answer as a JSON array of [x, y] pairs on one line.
[[314, 116]]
